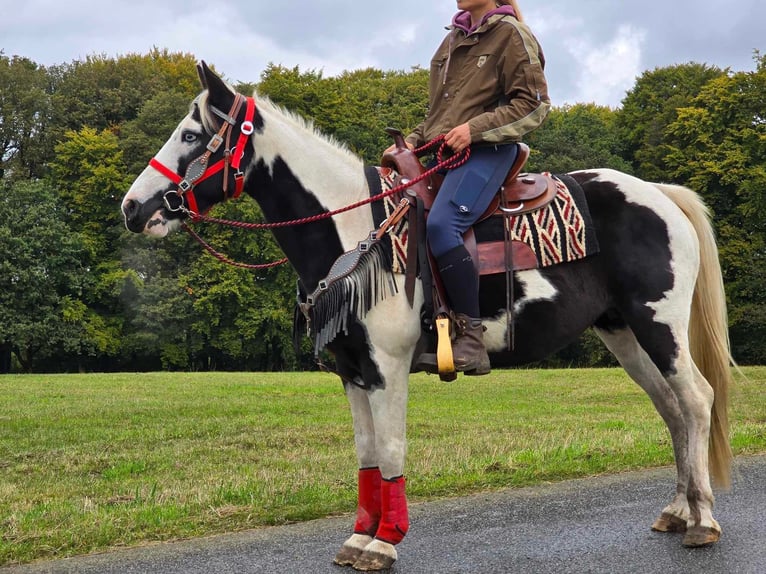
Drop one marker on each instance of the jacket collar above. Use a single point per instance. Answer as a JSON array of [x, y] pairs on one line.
[[462, 20]]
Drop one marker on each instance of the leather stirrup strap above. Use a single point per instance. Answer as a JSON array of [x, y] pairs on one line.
[[414, 222], [424, 266], [510, 335]]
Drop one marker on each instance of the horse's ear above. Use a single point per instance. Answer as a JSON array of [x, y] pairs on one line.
[[219, 92], [201, 67]]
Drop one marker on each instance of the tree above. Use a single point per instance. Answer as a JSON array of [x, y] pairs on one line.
[[42, 277], [143, 136], [25, 109], [102, 93], [718, 146], [91, 179], [354, 107], [651, 106], [582, 136], [245, 316], [112, 300]]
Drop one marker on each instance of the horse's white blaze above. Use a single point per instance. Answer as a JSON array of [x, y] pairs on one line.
[[319, 172], [150, 180], [536, 288]]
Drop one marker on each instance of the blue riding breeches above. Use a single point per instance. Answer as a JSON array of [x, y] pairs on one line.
[[466, 193]]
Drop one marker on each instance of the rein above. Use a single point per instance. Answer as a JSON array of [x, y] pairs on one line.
[[199, 170], [451, 162]]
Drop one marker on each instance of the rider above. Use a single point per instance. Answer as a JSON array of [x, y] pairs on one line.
[[487, 89]]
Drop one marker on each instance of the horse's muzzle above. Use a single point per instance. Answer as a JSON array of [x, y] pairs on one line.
[[131, 209]]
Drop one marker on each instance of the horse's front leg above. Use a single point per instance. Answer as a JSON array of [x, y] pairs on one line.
[[380, 418], [389, 413], [380, 436], [369, 477]]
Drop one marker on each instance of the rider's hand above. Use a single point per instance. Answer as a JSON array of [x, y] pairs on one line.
[[459, 138]]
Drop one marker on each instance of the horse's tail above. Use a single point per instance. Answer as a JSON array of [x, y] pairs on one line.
[[709, 328]]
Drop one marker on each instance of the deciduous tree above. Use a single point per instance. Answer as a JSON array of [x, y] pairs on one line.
[[42, 277], [717, 146]]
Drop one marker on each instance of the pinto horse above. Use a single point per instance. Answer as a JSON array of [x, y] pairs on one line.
[[653, 294]]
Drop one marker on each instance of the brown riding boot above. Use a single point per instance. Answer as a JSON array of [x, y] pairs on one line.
[[468, 350]]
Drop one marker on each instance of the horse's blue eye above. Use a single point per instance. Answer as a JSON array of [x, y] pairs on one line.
[[189, 137]]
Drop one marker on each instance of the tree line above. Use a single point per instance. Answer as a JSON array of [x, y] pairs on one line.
[[80, 293]]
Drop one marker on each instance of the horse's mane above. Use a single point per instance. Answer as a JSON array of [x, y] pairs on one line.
[[211, 122]]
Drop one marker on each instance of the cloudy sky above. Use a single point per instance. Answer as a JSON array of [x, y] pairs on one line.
[[594, 48]]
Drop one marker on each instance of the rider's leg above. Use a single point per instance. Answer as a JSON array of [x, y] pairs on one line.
[[464, 195]]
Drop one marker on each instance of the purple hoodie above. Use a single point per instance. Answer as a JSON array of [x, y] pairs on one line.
[[462, 19]]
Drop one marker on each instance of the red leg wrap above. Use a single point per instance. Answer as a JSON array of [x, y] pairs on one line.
[[394, 520], [368, 509]]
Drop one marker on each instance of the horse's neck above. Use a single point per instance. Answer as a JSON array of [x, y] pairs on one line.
[[298, 173]]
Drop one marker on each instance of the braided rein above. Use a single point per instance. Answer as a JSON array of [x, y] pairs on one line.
[[452, 162]]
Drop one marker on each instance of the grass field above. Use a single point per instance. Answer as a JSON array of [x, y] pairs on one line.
[[89, 462]]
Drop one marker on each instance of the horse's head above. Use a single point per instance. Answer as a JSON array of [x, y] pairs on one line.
[[199, 166]]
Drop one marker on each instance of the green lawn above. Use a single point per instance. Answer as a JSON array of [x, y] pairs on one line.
[[89, 462]]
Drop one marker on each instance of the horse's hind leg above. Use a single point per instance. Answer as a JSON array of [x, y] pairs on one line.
[[666, 346], [623, 344], [695, 397]]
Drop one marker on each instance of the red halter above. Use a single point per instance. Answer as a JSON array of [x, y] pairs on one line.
[[199, 170]]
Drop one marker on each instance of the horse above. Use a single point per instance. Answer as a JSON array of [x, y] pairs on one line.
[[653, 293]]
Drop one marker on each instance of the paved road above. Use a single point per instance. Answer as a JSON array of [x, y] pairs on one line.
[[592, 526]]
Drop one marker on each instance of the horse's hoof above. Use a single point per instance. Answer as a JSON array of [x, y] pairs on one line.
[[372, 561], [352, 549], [697, 536], [347, 556], [669, 523], [378, 555]]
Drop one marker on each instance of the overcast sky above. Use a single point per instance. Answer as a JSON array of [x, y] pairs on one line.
[[594, 48]]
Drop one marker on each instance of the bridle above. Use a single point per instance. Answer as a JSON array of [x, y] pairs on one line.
[[199, 169]]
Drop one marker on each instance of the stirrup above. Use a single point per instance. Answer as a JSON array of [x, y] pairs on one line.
[[444, 359]]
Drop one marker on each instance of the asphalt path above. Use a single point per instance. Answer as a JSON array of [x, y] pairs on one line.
[[598, 525]]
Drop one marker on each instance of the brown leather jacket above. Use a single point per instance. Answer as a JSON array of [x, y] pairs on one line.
[[493, 79]]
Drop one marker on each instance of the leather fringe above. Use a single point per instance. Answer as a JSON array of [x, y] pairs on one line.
[[351, 293]]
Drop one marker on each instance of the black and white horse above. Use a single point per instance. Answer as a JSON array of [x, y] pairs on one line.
[[653, 293]]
